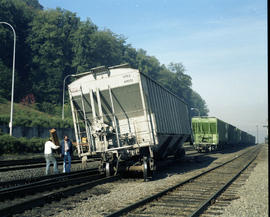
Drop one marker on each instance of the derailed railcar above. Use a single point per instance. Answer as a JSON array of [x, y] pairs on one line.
[[127, 118]]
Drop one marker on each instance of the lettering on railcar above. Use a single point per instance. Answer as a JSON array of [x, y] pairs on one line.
[[127, 76], [129, 80]]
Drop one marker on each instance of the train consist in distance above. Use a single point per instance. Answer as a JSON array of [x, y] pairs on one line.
[[127, 118], [211, 133], [131, 122]]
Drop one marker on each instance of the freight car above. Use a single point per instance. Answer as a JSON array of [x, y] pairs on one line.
[[127, 118], [211, 133]]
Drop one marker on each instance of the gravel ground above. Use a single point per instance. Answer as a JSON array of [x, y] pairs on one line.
[[119, 195], [21, 156], [106, 198], [253, 199], [36, 172]]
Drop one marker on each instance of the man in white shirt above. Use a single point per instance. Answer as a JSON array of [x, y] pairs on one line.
[[49, 145]]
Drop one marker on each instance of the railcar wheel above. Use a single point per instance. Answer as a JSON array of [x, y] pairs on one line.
[[108, 169], [145, 170]]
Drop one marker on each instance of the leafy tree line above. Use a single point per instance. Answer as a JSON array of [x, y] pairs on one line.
[[52, 44]]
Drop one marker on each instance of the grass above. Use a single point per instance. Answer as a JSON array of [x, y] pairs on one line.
[[22, 110], [29, 116]]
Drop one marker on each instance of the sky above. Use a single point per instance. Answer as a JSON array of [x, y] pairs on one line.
[[222, 44]]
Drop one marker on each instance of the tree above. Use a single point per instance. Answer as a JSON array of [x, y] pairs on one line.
[[83, 47], [19, 15], [34, 4], [51, 41], [147, 64], [52, 44], [108, 48], [199, 103]]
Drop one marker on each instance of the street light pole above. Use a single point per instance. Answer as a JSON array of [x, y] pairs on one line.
[[13, 69], [257, 134], [196, 110], [64, 94], [266, 126]]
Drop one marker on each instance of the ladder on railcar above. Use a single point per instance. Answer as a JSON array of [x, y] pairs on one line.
[[82, 126]]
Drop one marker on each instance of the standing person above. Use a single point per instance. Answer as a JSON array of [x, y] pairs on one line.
[[66, 147], [49, 145]]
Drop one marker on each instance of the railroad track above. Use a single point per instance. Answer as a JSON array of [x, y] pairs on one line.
[[20, 198], [25, 181], [4, 163], [192, 196], [10, 165]]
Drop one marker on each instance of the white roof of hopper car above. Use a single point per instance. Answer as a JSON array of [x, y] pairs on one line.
[[115, 77]]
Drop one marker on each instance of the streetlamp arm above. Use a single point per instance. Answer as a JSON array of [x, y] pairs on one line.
[[64, 94], [13, 72], [196, 110]]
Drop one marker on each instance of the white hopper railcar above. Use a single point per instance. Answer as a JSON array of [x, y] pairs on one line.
[[126, 118]]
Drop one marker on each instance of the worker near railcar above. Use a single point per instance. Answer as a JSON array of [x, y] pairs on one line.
[[48, 153], [66, 152]]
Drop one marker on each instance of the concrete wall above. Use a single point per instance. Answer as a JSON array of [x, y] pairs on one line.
[[41, 132]]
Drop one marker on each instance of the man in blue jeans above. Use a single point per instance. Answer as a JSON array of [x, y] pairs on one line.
[[66, 152]]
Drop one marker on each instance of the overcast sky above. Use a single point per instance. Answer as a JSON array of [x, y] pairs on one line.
[[222, 44]]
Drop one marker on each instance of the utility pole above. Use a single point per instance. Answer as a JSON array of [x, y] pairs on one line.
[[266, 126], [257, 134], [13, 70], [196, 110]]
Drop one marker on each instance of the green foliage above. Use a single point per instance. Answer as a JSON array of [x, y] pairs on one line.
[[83, 58], [19, 14], [29, 117], [13, 145], [51, 41], [34, 4], [52, 44]]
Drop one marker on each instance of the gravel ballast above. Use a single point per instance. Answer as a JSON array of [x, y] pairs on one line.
[[120, 194], [37, 172], [253, 194], [109, 197]]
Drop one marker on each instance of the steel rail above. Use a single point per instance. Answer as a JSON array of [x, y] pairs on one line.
[[32, 166], [40, 200], [208, 202], [160, 194], [37, 164], [5, 163], [44, 185], [26, 161], [6, 184]]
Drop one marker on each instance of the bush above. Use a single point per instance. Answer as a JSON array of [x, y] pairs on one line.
[[13, 145], [3, 100], [35, 145], [28, 121], [4, 119]]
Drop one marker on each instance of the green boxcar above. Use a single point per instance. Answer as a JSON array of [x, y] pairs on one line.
[[238, 136], [232, 134], [209, 133]]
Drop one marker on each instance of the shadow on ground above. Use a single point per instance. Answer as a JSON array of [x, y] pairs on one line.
[[192, 161]]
